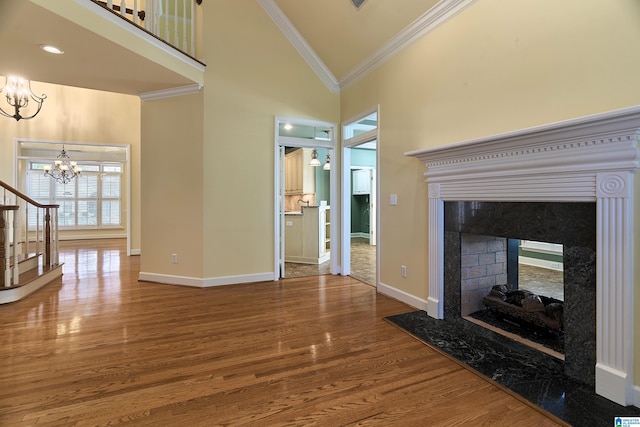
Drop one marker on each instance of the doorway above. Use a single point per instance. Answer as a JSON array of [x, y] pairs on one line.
[[304, 183], [360, 249]]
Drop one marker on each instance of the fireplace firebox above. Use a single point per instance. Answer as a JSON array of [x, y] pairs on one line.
[[572, 225]]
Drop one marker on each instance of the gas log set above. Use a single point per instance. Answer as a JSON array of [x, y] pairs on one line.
[[525, 307]]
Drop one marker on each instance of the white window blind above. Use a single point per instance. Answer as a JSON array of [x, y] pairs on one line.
[[92, 200]]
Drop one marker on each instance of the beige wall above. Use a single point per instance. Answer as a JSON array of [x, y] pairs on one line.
[[218, 214], [249, 82], [172, 182], [71, 114], [496, 67]]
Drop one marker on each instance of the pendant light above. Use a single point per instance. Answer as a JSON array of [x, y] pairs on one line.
[[314, 158]]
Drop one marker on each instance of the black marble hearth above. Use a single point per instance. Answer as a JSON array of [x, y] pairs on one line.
[[571, 224], [536, 376]]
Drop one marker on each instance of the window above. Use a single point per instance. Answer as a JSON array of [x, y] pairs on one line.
[[92, 200]]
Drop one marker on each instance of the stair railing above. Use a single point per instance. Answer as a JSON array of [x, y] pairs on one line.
[[26, 227], [169, 20]]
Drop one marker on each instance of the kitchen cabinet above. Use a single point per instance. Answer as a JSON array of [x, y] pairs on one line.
[[361, 181], [299, 177], [325, 230], [307, 236]]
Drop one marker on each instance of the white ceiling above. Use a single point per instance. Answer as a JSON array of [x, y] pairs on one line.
[[341, 37]]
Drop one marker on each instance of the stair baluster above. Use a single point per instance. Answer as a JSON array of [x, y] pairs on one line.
[[16, 228], [15, 244]]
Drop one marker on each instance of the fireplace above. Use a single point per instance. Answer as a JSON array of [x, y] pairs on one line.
[[571, 224], [526, 178]]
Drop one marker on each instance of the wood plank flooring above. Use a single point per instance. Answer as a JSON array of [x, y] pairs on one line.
[[97, 347]]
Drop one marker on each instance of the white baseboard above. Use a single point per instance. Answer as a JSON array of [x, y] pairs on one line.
[[135, 252], [361, 235], [234, 280], [204, 283], [406, 298], [91, 236], [170, 279], [636, 396], [612, 384], [308, 260]]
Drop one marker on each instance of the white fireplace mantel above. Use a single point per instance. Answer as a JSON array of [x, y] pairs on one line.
[[591, 158]]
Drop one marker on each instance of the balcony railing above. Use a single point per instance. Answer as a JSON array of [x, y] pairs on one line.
[[169, 20]]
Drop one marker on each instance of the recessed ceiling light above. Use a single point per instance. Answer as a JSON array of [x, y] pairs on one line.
[[51, 49]]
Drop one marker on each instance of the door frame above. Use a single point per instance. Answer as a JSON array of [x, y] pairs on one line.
[[345, 169], [334, 202]]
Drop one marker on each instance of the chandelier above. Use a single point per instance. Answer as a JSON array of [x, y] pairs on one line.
[[63, 170], [18, 93]]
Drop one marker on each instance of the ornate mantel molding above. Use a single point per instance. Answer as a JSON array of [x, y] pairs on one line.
[[592, 158]]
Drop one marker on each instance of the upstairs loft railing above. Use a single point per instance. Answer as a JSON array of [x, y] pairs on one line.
[[169, 20], [27, 228]]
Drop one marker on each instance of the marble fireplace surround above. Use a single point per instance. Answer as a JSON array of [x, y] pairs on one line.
[[571, 224], [589, 159]]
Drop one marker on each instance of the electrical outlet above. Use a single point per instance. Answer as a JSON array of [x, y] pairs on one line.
[[174, 258], [403, 270]]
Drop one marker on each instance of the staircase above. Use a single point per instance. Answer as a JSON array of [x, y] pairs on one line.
[[28, 245]]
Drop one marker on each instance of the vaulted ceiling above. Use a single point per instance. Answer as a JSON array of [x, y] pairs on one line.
[[340, 42], [343, 36]]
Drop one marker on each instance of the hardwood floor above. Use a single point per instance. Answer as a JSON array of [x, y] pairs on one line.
[[97, 347]]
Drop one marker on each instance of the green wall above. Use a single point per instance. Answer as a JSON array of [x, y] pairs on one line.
[[360, 203], [323, 183]]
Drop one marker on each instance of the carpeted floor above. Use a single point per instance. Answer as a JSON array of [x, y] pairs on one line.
[[534, 375]]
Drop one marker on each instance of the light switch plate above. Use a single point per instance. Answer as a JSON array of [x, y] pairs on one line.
[[393, 199]]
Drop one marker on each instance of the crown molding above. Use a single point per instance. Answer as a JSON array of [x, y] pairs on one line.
[[170, 93], [434, 17], [430, 20], [300, 44]]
